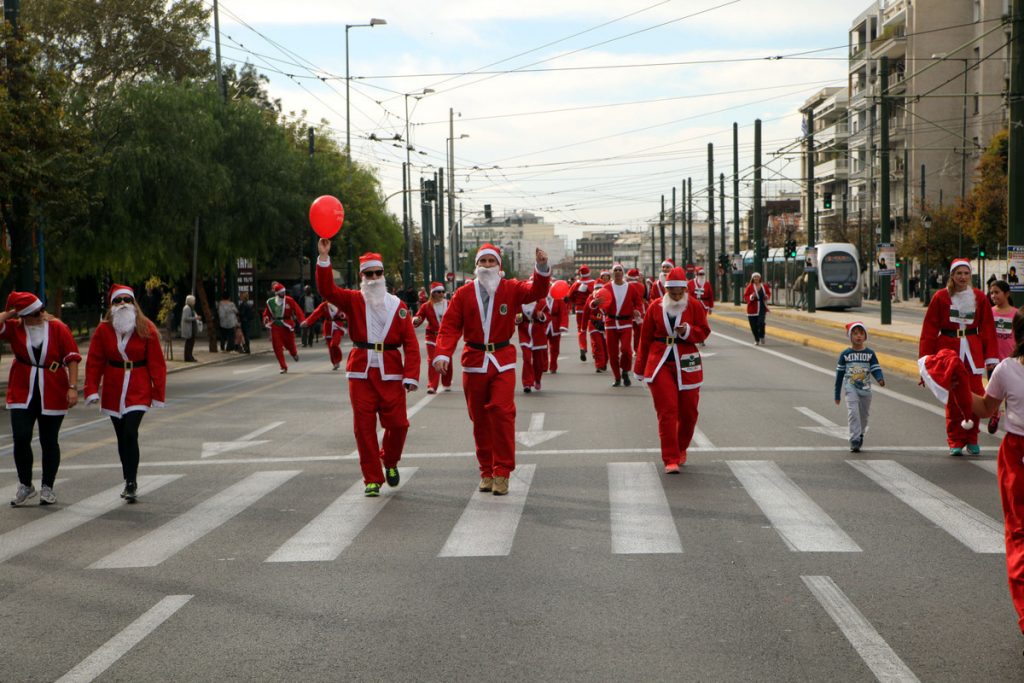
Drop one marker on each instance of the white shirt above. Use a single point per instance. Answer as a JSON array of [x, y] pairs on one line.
[[376, 321], [1007, 383]]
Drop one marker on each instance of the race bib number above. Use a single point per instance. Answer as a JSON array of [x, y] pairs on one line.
[[956, 317]]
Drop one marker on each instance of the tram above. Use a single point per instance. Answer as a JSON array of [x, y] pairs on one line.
[[839, 274]]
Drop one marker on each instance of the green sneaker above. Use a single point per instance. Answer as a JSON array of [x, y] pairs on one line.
[[372, 490], [391, 474], [958, 451], [973, 449]]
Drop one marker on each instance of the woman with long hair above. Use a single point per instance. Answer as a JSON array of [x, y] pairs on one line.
[[41, 387], [959, 317], [1003, 312], [756, 296], [125, 371]]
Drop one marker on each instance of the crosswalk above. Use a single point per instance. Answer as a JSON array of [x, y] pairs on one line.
[[639, 514]]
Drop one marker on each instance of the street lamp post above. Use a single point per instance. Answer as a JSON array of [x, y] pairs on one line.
[[449, 150], [348, 115], [927, 223], [407, 199]]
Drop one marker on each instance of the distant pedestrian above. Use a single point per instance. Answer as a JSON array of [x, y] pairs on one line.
[[41, 387], [756, 297], [190, 327], [857, 365], [579, 292], [281, 316], [246, 315], [126, 373], [1003, 311], [227, 319], [309, 303], [432, 312]]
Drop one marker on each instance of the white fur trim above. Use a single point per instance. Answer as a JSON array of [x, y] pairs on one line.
[[437, 289], [31, 308], [485, 252], [369, 264], [675, 283], [939, 392], [122, 292], [960, 262]]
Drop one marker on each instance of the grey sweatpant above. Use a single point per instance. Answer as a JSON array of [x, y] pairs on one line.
[[857, 408]]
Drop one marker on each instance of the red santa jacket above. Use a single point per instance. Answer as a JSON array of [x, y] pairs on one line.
[[58, 349], [130, 372], [658, 339], [428, 313], [593, 316], [972, 336], [703, 293], [398, 335], [287, 314], [558, 317], [536, 316], [619, 303], [657, 289], [488, 333], [336, 322], [754, 301], [579, 292]]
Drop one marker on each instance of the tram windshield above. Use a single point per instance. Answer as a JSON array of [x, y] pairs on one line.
[[839, 272]]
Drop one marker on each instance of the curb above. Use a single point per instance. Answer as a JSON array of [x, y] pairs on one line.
[[831, 324], [902, 366], [219, 361]]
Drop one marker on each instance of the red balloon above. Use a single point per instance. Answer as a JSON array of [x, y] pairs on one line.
[[326, 214], [559, 289]]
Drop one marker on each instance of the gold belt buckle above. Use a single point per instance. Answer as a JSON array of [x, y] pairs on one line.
[[961, 333], [54, 366], [490, 347], [128, 365], [378, 347]]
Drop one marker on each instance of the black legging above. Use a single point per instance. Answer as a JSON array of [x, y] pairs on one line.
[[757, 325], [22, 423], [127, 429]]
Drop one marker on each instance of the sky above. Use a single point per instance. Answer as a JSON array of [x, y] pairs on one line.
[[584, 112]]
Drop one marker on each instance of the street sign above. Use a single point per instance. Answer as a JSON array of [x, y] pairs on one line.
[[886, 259], [1015, 268], [450, 277], [246, 277], [737, 264], [811, 260]]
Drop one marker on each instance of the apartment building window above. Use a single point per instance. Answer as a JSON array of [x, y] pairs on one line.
[[975, 146], [977, 104], [977, 10]]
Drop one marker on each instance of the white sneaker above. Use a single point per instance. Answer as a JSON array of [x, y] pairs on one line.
[[47, 496], [23, 494]]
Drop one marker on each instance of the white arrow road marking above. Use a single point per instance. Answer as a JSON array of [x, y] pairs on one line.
[[536, 434], [211, 448], [252, 369], [828, 427]]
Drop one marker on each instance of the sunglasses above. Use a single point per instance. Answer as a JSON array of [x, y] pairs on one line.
[[34, 314], [122, 300], [373, 273]]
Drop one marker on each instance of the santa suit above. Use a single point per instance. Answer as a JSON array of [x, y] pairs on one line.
[[534, 342], [334, 327], [700, 289], [673, 372], [433, 314], [756, 299], [281, 316], [557, 325], [130, 371], [657, 289], [579, 292], [593, 322], [620, 303], [377, 371], [47, 372], [489, 363], [972, 334]]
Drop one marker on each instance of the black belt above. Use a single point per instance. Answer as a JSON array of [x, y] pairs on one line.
[[669, 340], [52, 367], [376, 346], [959, 333], [619, 317], [489, 348], [127, 364]]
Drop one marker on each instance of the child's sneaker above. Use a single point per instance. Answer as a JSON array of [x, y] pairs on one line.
[[855, 444]]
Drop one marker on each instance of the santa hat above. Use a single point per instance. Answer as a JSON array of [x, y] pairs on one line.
[[851, 326], [488, 250], [119, 290], [633, 272], [957, 262], [370, 260], [676, 278], [276, 287], [754, 274], [23, 303], [944, 373], [605, 273], [436, 287], [619, 266], [700, 271], [584, 271], [668, 262]]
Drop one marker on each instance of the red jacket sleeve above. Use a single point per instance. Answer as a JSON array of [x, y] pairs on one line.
[[95, 361], [646, 332], [299, 315], [321, 312], [156, 365], [411, 346], [342, 298], [452, 322], [930, 326]]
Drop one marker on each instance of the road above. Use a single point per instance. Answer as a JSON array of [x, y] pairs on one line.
[[776, 555]]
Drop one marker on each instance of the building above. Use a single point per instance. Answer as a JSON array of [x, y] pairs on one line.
[[595, 250], [829, 107], [518, 234]]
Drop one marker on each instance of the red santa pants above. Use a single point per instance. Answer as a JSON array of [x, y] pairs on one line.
[[334, 347], [600, 350], [1011, 490], [371, 397], [433, 376], [554, 348], [282, 338], [636, 338], [581, 331], [490, 398], [677, 415], [956, 435], [620, 349]]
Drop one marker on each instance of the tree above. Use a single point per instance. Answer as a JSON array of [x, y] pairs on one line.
[[983, 213]]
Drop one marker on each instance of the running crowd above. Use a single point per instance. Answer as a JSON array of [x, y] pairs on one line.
[[650, 332]]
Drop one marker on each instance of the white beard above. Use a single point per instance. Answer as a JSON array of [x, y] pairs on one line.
[[673, 307], [374, 292], [489, 278], [662, 277], [123, 318], [701, 281]]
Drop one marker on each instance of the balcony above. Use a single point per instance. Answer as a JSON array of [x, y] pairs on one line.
[[894, 15], [831, 170], [830, 135]]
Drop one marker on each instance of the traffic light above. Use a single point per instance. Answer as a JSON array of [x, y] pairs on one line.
[[981, 252], [827, 203], [429, 191], [790, 248], [487, 213]]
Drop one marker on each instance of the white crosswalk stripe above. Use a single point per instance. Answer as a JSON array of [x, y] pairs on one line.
[[488, 525], [182, 531], [640, 516], [41, 530], [334, 529], [970, 526], [802, 524]]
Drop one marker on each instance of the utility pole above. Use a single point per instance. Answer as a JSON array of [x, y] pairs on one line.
[[926, 274], [426, 229], [689, 222], [758, 218], [673, 257], [905, 275], [682, 226], [736, 207], [221, 86], [1015, 180], [451, 186], [661, 227], [811, 283], [710, 265], [883, 280], [407, 248], [439, 229], [723, 281]]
